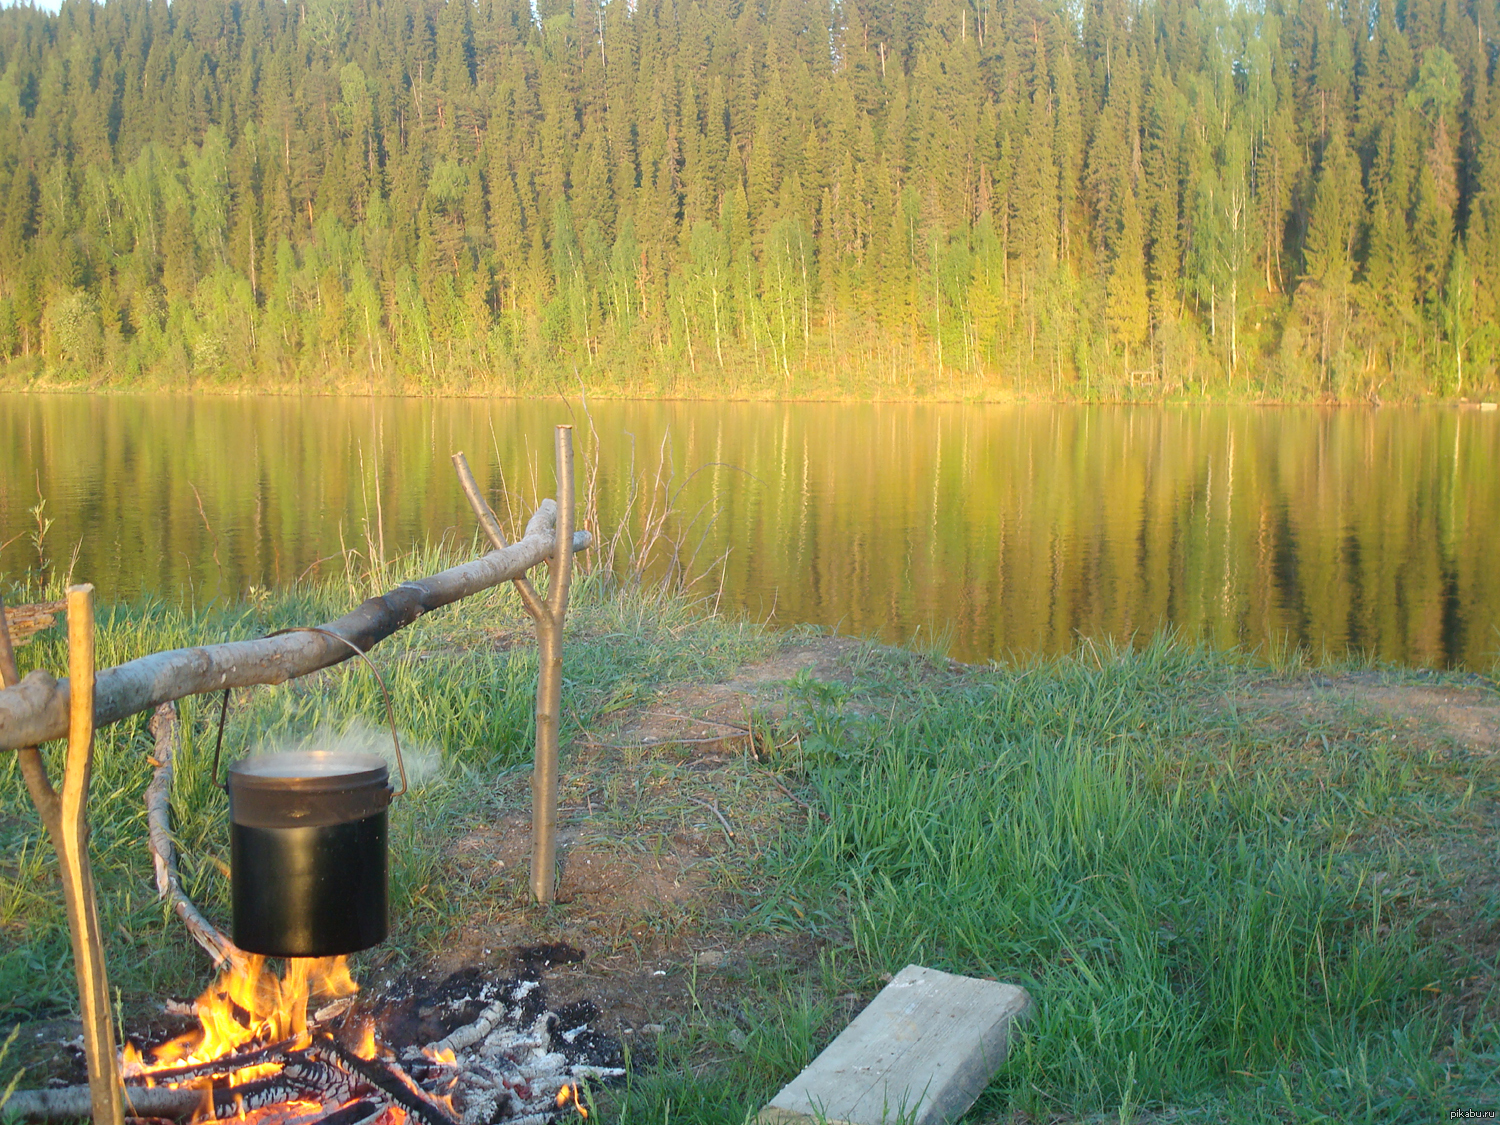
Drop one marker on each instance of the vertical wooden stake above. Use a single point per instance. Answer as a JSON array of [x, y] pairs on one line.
[[72, 844], [67, 821], [549, 630], [548, 616]]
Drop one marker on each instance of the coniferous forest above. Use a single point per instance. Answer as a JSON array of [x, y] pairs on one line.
[[1294, 199]]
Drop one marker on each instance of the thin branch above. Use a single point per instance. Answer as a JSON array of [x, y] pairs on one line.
[[819, 813], [706, 722], [713, 808], [665, 741], [491, 527]]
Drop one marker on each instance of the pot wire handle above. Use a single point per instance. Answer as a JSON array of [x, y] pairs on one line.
[[219, 742], [390, 712]]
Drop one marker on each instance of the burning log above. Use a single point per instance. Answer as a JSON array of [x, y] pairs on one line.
[[392, 1081], [355, 1113], [224, 1064], [312, 1074]]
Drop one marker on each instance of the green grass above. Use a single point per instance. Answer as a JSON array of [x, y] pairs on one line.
[[1206, 919], [1226, 909]]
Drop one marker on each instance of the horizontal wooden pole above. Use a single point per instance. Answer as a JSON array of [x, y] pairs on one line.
[[36, 709]]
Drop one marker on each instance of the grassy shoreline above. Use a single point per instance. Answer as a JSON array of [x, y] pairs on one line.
[[1236, 892], [22, 378]]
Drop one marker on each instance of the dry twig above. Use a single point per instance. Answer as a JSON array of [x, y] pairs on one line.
[[713, 808]]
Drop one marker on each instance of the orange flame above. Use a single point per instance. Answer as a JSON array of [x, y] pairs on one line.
[[366, 1048], [249, 1007], [567, 1096]]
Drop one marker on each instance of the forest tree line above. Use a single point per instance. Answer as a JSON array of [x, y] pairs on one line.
[[1290, 199]]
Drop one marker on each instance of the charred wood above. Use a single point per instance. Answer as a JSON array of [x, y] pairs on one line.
[[393, 1081], [352, 1114], [228, 1063]]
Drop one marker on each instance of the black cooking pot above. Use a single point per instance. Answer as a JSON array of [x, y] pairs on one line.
[[307, 842], [307, 845]]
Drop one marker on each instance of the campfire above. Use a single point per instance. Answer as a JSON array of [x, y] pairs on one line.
[[297, 1049]]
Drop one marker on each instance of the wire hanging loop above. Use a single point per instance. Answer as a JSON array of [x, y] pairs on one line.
[[390, 711]]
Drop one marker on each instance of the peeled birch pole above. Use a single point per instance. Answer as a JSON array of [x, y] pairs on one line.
[[36, 709], [72, 845], [74, 1102], [549, 633], [548, 616]]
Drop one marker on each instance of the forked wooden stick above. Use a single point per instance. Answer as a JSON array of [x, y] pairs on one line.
[[548, 616], [66, 818]]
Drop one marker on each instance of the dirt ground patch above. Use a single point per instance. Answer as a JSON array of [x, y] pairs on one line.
[[662, 815], [1466, 714]]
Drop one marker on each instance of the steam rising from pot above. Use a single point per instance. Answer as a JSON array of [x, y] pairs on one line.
[[423, 761]]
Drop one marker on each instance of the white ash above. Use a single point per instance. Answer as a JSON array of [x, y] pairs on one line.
[[509, 1063]]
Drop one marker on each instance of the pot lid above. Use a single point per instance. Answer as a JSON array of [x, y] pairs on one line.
[[311, 768]]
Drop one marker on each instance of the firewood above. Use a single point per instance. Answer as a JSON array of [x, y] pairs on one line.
[[470, 1034], [392, 1080], [74, 1102], [355, 1113], [223, 1065]]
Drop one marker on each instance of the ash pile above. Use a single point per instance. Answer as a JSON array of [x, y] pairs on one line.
[[504, 1055]]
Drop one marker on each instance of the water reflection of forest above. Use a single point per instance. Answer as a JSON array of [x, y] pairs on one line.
[[1008, 529]]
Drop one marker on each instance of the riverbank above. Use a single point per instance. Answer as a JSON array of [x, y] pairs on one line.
[[1238, 892], [827, 383]]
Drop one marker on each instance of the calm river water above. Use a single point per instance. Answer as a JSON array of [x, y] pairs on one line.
[[1002, 529]]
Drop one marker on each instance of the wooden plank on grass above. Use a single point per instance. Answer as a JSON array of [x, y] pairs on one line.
[[919, 1054]]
